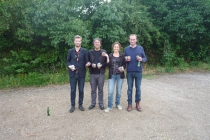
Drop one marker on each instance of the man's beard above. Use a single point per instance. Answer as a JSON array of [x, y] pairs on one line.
[[77, 46]]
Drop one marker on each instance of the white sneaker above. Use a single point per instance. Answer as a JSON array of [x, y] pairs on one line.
[[119, 107], [108, 109]]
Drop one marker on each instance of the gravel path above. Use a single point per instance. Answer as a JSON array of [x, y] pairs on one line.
[[174, 107]]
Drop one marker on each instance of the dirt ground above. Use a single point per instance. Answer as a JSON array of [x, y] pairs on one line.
[[174, 107]]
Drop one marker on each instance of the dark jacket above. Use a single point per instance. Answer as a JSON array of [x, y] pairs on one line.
[[80, 65], [102, 60], [122, 63]]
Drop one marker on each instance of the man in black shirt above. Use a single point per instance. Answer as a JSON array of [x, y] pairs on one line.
[[98, 59]]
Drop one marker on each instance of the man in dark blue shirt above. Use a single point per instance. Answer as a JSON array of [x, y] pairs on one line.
[[77, 58], [134, 56]]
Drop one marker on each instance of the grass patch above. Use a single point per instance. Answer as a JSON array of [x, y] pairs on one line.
[[62, 77], [148, 76], [33, 79], [170, 69], [183, 67], [204, 66]]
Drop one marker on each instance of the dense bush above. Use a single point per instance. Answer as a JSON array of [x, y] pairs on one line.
[[35, 35], [186, 26]]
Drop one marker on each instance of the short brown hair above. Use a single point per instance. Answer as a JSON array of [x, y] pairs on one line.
[[133, 35], [115, 44], [77, 36]]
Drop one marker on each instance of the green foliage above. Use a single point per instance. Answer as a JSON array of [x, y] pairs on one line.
[[108, 24], [116, 20], [160, 69], [21, 64], [168, 56], [170, 69], [185, 24], [35, 35], [34, 79], [204, 66], [41, 32], [62, 77]]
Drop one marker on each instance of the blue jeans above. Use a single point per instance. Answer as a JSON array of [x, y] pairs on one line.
[[73, 84], [111, 84], [131, 76]]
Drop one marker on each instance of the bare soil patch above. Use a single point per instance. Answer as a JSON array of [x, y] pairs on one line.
[[174, 107]]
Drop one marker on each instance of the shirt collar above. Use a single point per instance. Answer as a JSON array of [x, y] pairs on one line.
[[78, 50], [132, 47]]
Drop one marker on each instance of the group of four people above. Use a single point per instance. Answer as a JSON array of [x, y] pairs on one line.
[[97, 60]]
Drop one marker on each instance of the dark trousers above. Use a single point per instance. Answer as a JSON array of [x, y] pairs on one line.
[[131, 76], [97, 81], [73, 84]]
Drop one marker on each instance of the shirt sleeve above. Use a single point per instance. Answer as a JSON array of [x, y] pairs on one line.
[[86, 56], [144, 58], [68, 59], [104, 64]]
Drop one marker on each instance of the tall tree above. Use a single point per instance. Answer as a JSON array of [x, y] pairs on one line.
[[185, 24]]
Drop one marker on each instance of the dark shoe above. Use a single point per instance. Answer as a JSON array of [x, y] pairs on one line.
[[101, 107], [72, 109], [129, 108], [81, 108], [138, 108], [91, 107]]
